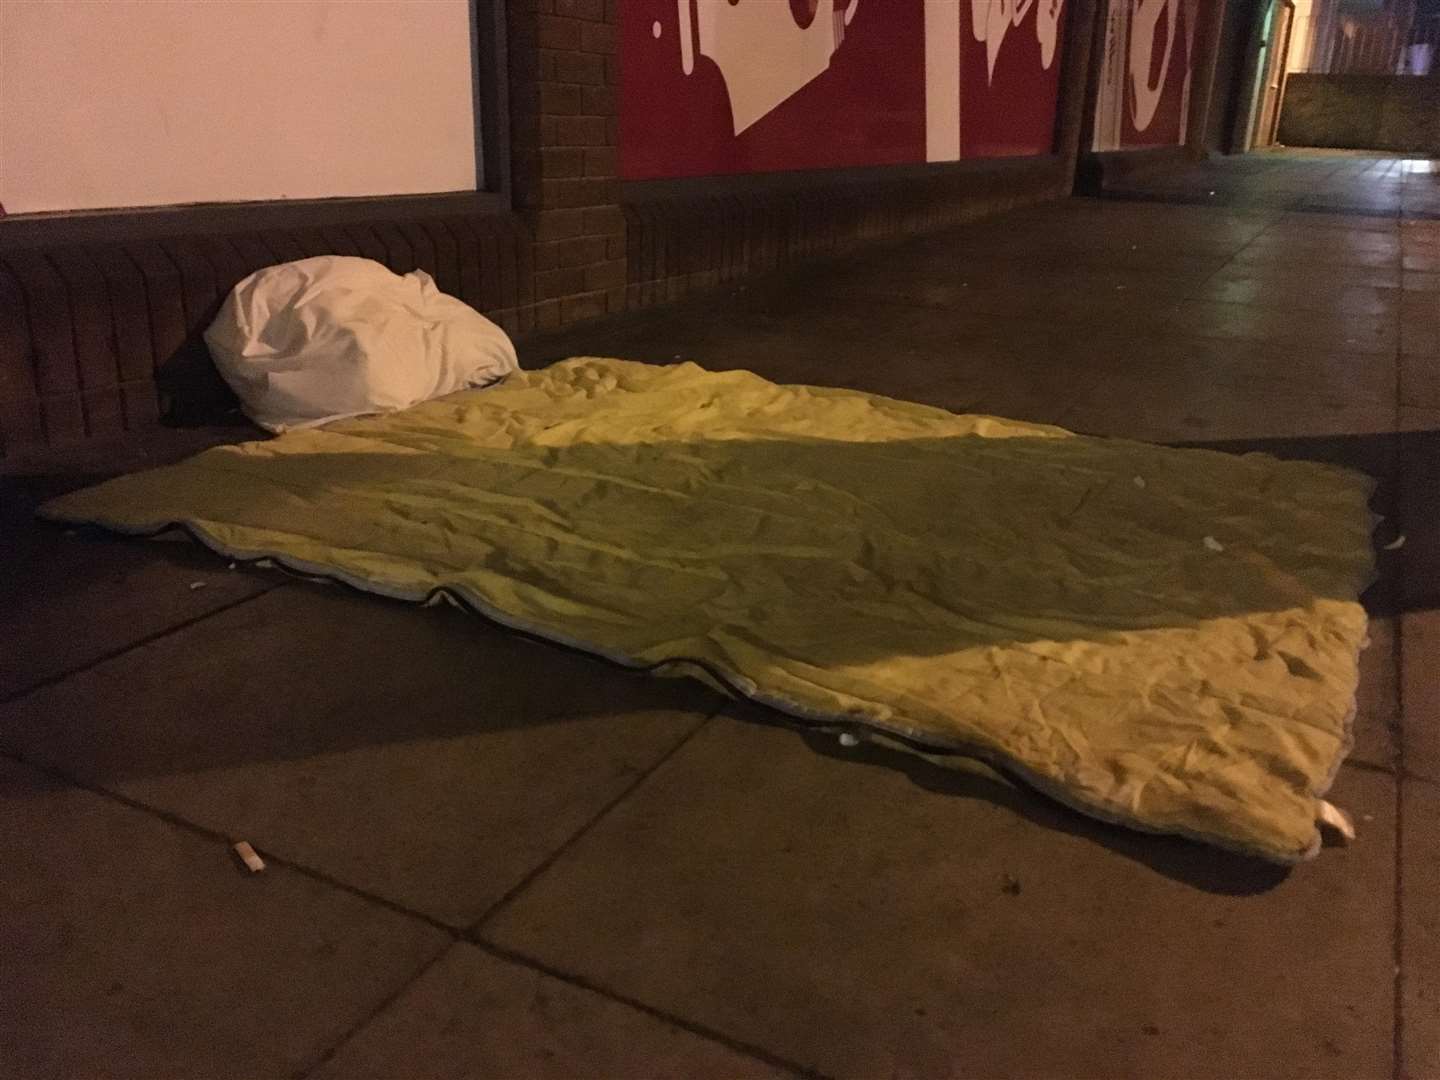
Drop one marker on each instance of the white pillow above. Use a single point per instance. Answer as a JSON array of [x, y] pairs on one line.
[[306, 342]]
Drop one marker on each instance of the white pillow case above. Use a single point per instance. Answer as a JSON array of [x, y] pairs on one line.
[[307, 342]]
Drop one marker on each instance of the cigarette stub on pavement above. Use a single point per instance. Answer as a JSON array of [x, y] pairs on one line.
[[249, 857]]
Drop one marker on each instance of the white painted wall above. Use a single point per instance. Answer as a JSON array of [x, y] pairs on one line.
[[108, 103], [1302, 36]]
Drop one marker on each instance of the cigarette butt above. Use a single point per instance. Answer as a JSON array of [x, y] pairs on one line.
[[1337, 819], [248, 856]]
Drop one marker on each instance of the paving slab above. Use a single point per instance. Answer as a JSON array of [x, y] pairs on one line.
[[419, 754], [134, 948], [1377, 702], [1333, 244], [866, 914], [68, 597], [1304, 221], [1140, 409], [1325, 277], [1420, 336], [1300, 296], [473, 1015], [1344, 331], [1420, 931], [1189, 368], [1420, 692], [1338, 248]]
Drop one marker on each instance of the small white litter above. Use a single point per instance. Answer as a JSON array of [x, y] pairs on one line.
[[231, 566], [1139, 481], [1214, 545], [848, 739], [1337, 819], [248, 856], [1396, 544], [196, 585]]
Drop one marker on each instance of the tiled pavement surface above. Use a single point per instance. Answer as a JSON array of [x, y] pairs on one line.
[[492, 857]]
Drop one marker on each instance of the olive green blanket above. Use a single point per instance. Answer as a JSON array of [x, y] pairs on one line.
[[1159, 637]]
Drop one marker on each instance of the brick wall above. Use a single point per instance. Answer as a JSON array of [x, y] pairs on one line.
[[681, 244], [601, 247], [100, 339], [564, 73]]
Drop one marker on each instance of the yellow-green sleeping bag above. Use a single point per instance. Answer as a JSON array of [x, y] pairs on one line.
[[1159, 637]]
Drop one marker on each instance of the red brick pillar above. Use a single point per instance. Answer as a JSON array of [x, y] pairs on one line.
[[564, 73]]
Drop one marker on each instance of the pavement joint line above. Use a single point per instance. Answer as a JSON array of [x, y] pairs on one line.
[[225, 839], [1373, 767], [513, 956], [380, 1008], [1398, 912], [1398, 1004], [139, 643], [579, 834], [1397, 662]]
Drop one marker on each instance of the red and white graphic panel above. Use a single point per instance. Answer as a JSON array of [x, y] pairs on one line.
[[1144, 94], [1010, 77], [730, 86]]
